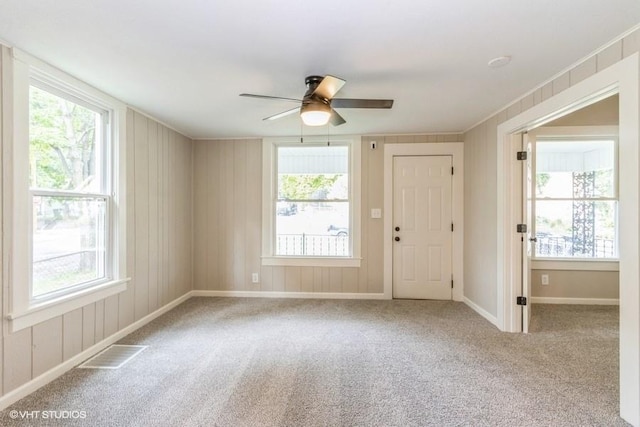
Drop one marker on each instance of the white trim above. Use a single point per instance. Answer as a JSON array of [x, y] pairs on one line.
[[454, 149], [481, 311], [559, 74], [42, 380], [17, 211], [621, 77], [354, 142], [300, 295], [571, 99], [564, 131], [575, 301], [574, 265], [37, 313]]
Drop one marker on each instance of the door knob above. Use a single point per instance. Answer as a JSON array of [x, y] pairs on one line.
[[397, 239], [397, 228]]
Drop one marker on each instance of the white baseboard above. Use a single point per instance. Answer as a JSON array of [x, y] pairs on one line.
[[301, 295], [481, 311], [41, 380], [575, 301]]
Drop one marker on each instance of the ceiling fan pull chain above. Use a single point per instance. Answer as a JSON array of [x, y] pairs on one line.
[[328, 135]]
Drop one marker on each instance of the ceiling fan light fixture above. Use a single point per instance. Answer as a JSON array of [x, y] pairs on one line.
[[315, 113]]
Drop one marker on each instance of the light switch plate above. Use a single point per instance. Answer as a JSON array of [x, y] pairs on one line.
[[376, 213]]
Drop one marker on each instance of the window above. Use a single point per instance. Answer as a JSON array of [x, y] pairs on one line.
[[576, 197], [68, 212], [70, 192], [311, 203]]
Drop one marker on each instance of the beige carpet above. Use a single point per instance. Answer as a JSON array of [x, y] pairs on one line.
[[266, 362]]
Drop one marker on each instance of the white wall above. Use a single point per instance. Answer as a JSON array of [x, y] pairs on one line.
[[159, 244]]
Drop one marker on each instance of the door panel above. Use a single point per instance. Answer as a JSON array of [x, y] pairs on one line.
[[422, 215]]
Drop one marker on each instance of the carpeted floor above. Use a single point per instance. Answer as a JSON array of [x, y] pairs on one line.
[[264, 362]]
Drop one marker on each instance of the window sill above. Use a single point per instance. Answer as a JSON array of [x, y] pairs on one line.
[[41, 312], [575, 265], [311, 261]]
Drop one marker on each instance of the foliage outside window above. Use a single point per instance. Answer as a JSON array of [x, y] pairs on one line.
[[70, 192], [312, 203], [576, 200]]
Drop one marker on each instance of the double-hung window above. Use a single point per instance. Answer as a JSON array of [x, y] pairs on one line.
[[68, 245], [70, 192], [576, 196], [311, 203]]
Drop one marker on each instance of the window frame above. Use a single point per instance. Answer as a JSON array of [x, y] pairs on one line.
[[576, 133], [25, 310], [270, 196]]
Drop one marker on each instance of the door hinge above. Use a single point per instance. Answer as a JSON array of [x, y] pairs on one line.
[[521, 228], [451, 226], [521, 155], [451, 170], [451, 283], [521, 300]]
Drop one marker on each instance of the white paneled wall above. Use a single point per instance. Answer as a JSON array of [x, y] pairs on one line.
[[480, 172], [228, 209], [159, 257]]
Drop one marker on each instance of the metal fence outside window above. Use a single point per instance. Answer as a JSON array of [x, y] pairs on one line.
[[312, 245], [562, 246]]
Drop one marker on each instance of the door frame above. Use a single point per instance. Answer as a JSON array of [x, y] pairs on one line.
[[456, 151], [621, 78]]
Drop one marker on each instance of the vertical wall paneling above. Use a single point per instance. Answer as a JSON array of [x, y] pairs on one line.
[[99, 322], [200, 215], [111, 315], [230, 210], [47, 345], [127, 298], [292, 279], [239, 182], [17, 364], [3, 133], [212, 238], [72, 334], [278, 278], [228, 221], [153, 222], [141, 191], [89, 326], [159, 253], [165, 218], [253, 197]]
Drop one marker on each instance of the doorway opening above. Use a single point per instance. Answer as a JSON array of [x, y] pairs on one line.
[[621, 78]]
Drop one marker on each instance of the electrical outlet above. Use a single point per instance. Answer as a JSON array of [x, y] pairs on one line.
[[544, 278], [255, 278]]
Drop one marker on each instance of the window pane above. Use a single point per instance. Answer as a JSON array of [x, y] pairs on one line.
[[575, 169], [581, 229], [312, 229], [63, 142], [68, 242], [313, 173]]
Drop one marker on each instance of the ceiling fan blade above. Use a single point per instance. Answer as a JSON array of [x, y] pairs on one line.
[[283, 114], [361, 103], [336, 119], [328, 87], [251, 95]]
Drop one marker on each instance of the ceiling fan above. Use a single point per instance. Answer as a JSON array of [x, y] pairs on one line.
[[318, 103]]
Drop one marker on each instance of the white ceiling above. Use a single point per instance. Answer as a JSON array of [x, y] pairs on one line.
[[185, 62]]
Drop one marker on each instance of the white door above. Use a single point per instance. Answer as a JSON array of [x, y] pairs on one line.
[[422, 223]]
